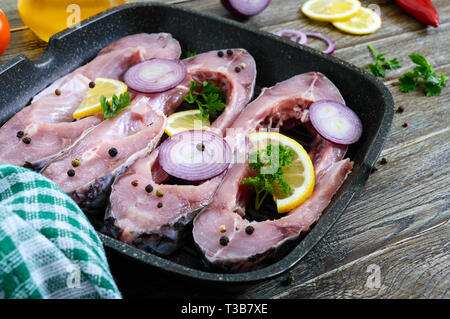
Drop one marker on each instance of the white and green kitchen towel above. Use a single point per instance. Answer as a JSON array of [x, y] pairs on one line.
[[48, 248]]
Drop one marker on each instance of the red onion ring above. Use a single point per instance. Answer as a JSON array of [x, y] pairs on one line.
[[195, 155], [302, 38], [156, 75], [328, 40], [335, 122], [294, 35]]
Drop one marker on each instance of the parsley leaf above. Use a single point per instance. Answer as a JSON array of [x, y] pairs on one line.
[[382, 64], [425, 74], [269, 164], [210, 100], [118, 105], [190, 54]]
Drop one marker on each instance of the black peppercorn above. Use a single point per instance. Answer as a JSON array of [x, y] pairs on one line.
[[237, 69], [58, 92], [135, 183], [220, 54], [230, 52], [224, 240], [92, 84], [383, 161], [400, 109], [20, 134], [112, 152], [149, 188], [26, 140], [160, 205], [71, 172], [200, 147], [249, 230], [405, 124]]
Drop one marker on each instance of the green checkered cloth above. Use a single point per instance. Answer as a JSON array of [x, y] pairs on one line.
[[48, 248]]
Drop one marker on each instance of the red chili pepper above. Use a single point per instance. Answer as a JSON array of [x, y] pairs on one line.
[[422, 10]]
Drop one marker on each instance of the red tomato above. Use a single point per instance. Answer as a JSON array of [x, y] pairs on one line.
[[5, 34]]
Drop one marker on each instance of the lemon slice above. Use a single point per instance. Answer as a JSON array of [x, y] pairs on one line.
[[364, 22], [330, 10], [299, 174], [186, 120], [91, 102]]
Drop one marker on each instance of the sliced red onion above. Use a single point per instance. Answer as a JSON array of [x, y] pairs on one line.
[[335, 122], [245, 8], [156, 75], [331, 44], [294, 35], [194, 155]]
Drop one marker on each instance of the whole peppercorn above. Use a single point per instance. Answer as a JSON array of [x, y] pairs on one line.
[[71, 172], [383, 161], [20, 134], [223, 228], [224, 240], [230, 52], [149, 188], [26, 140], [135, 183], [112, 152], [92, 84], [75, 162], [405, 124], [200, 147], [58, 92], [249, 230], [159, 193], [160, 205], [220, 54], [289, 280], [400, 109], [237, 69]]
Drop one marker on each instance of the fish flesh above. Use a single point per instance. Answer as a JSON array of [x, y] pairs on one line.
[[134, 213], [286, 101], [143, 219], [209, 66], [46, 126], [113, 61], [103, 152]]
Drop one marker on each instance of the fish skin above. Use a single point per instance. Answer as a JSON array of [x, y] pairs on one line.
[[286, 100], [132, 214], [135, 131], [48, 120]]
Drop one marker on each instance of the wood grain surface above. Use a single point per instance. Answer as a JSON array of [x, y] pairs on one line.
[[391, 242]]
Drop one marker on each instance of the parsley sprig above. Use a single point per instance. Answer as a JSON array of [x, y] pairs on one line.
[[424, 74], [118, 105], [269, 164], [210, 101], [190, 54], [382, 64]]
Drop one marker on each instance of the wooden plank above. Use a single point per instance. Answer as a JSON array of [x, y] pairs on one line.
[[284, 14], [416, 267]]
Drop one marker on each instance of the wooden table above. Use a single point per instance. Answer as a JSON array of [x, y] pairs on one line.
[[398, 229]]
